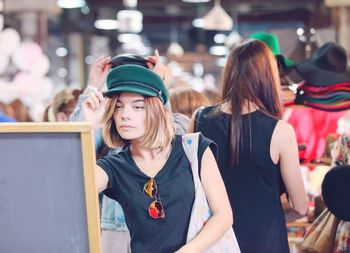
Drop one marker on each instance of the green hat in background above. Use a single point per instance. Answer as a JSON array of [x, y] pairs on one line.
[[136, 79], [271, 41]]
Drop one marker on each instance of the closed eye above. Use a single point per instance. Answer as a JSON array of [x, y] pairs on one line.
[[139, 108]]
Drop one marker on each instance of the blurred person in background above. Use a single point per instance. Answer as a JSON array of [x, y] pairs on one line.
[[62, 106], [256, 148], [186, 100], [3, 116], [18, 111]]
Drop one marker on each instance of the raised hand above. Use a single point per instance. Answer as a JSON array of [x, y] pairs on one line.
[[98, 71], [94, 107], [156, 66]]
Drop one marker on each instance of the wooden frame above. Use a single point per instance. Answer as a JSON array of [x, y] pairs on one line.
[[88, 160]]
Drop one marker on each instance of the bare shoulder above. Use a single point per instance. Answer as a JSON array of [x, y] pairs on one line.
[[283, 132], [284, 127]]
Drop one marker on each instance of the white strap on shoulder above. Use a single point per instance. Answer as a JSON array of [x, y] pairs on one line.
[[190, 145]]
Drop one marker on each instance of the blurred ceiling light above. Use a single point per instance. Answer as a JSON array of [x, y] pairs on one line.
[[70, 4], [61, 51], [85, 10], [175, 49], [300, 31], [233, 38], [106, 19], [129, 37], [217, 19], [195, 1], [198, 23], [106, 24], [130, 3], [221, 62], [130, 21], [89, 59], [219, 38], [218, 50], [137, 47], [198, 69], [62, 72], [175, 68], [172, 10]]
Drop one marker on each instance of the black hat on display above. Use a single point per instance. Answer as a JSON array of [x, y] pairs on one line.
[[336, 191], [327, 66], [123, 59]]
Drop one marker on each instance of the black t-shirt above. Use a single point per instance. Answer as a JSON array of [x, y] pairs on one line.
[[175, 190]]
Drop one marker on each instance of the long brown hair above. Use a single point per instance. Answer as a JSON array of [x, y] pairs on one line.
[[250, 75]]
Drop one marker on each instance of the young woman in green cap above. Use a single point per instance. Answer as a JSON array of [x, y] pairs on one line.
[[151, 177]]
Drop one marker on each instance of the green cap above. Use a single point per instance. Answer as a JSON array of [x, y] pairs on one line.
[[271, 41], [136, 79]]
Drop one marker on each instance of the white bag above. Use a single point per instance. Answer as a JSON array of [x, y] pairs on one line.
[[200, 210]]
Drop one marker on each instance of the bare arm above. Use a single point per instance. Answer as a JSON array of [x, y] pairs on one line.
[[219, 204], [101, 179], [284, 142], [191, 125]]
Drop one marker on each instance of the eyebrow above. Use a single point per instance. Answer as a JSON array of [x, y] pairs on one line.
[[134, 101]]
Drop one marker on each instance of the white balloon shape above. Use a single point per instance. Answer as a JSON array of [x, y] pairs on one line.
[[9, 40], [36, 111], [40, 67], [45, 88], [4, 61], [25, 56], [8, 92]]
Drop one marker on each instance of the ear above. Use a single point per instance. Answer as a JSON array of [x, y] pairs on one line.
[[61, 117]]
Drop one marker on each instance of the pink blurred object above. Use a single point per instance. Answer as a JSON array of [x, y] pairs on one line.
[[26, 55]]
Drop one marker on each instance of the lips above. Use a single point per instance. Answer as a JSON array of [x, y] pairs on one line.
[[125, 127]]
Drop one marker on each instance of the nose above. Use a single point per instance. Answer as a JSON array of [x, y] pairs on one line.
[[124, 114]]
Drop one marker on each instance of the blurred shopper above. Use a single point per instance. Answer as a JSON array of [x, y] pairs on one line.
[[3, 116], [255, 148], [62, 106], [19, 111], [186, 100]]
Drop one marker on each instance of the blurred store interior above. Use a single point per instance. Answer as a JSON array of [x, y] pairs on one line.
[[52, 43], [47, 45]]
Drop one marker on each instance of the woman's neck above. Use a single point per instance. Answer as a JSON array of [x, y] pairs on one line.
[[141, 152], [247, 107]]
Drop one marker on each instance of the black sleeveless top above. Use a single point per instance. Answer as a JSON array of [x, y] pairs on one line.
[[253, 185]]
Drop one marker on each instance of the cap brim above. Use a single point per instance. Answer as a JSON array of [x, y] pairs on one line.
[[320, 77], [130, 88]]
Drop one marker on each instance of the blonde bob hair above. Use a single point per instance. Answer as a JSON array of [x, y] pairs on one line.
[[159, 128]]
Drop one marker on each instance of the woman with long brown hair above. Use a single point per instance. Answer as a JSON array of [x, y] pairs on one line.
[[256, 148]]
